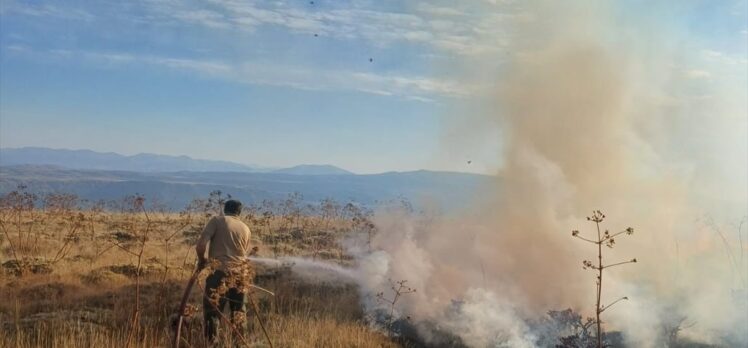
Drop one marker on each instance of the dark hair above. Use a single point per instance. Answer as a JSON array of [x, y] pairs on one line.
[[232, 207]]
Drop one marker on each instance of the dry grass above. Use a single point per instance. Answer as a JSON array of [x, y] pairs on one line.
[[300, 331], [78, 278]]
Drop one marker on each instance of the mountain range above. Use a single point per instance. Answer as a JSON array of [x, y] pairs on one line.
[[175, 181], [144, 162]]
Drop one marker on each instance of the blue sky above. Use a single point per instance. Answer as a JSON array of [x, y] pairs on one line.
[[370, 86]]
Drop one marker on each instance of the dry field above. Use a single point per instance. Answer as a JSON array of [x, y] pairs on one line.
[[77, 274]]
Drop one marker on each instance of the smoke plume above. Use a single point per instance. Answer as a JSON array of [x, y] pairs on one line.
[[594, 113]]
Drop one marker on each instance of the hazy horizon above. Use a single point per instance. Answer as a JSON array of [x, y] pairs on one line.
[[255, 166]]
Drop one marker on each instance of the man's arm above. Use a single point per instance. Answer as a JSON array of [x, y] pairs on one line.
[[202, 243], [202, 261]]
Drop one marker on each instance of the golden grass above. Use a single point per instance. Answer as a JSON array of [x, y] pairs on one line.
[[76, 335], [300, 331], [88, 298]]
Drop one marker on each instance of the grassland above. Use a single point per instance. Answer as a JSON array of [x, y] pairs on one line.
[[110, 274]]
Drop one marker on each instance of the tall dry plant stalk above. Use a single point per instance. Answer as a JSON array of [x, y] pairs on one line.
[[142, 240], [240, 276], [609, 241], [136, 205], [399, 288], [24, 226]]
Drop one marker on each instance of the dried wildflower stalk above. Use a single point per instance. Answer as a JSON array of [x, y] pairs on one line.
[[398, 290], [609, 241], [240, 276]]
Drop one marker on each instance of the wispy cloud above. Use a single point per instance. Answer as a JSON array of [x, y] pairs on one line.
[[48, 10], [698, 74], [210, 19], [204, 67], [724, 58], [443, 31], [444, 28], [272, 74], [439, 10], [16, 48]]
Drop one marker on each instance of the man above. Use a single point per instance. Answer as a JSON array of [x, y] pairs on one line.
[[229, 244]]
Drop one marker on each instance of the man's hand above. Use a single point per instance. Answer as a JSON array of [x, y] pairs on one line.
[[202, 263]]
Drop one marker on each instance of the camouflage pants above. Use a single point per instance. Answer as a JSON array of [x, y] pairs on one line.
[[233, 297]]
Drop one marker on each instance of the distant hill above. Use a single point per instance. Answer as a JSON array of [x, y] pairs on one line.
[[87, 159], [450, 191], [313, 169], [144, 162]]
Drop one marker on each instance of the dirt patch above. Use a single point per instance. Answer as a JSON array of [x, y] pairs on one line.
[[132, 270], [103, 277], [52, 291], [32, 266]]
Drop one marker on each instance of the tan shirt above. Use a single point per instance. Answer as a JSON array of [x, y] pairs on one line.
[[229, 239]]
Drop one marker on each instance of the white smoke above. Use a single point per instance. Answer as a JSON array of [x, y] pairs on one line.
[[309, 269], [597, 111]]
